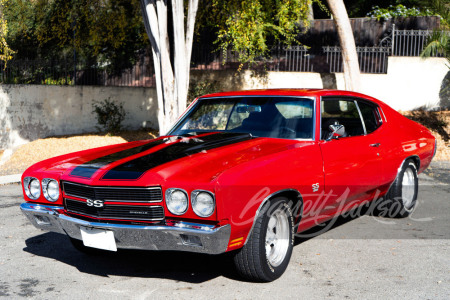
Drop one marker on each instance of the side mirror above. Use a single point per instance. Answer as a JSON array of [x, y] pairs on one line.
[[336, 131]]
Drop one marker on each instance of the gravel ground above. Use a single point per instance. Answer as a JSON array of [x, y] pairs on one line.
[[41, 149]]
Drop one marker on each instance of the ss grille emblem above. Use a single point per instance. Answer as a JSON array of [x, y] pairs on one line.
[[95, 203]]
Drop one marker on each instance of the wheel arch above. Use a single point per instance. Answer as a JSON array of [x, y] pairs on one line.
[[416, 161], [296, 206]]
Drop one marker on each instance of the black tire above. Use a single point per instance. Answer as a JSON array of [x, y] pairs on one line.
[[252, 261], [78, 244], [400, 200]]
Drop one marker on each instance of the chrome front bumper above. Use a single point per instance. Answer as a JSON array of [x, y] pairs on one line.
[[178, 236]]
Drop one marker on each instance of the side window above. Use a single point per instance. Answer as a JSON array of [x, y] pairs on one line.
[[370, 116], [343, 112]]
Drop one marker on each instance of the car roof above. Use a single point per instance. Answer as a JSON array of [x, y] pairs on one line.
[[292, 92]]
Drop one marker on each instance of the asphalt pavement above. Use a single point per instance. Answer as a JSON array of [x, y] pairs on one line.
[[356, 258]]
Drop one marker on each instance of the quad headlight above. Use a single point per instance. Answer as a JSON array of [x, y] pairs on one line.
[[50, 187], [177, 201], [203, 203], [32, 187]]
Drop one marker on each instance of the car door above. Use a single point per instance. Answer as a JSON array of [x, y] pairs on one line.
[[352, 163]]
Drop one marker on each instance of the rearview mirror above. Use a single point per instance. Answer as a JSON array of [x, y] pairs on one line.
[[248, 109]]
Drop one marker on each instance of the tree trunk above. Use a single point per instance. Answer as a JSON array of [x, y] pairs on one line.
[[172, 77], [311, 12], [352, 75]]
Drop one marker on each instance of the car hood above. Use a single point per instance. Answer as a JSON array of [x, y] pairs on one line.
[[200, 158]]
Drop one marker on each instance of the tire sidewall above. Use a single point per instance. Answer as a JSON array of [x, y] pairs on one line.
[[270, 271]]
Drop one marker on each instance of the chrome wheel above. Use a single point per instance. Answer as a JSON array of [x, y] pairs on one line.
[[408, 188], [277, 237]]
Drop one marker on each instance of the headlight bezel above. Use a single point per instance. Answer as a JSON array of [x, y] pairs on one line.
[[27, 187], [169, 193], [45, 185], [194, 195]]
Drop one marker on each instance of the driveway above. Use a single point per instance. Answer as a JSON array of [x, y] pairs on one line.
[[358, 257]]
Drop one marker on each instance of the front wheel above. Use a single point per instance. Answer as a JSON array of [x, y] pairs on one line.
[[266, 255]]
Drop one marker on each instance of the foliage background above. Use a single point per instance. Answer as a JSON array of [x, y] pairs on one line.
[[99, 32]]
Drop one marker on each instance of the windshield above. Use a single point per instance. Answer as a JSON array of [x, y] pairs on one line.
[[278, 117]]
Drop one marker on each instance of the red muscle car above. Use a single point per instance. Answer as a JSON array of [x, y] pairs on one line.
[[239, 172]]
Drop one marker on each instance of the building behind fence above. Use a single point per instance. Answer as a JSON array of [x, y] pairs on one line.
[[377, 40]]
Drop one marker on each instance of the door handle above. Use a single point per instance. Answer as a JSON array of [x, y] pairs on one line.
[[375, 145]]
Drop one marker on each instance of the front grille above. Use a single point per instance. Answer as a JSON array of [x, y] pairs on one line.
[[140, 201], [122, 212], [113, 194]]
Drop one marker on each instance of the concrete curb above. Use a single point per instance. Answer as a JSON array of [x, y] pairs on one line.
[[10, 179]]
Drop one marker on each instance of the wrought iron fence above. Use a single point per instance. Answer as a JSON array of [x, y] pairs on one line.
[[371, 59], [282, 58], [209, 58], [409, 42], [65, 72], [35, 72], [290, 59]]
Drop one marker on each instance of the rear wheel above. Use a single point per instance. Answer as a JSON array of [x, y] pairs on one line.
[[401, 198], [266, 255]]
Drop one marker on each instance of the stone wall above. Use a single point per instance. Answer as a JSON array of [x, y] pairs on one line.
[[29, 112]]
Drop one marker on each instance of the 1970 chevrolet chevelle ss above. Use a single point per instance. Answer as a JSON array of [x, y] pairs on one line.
[[240, 172]]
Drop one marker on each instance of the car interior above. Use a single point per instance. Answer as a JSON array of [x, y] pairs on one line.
[[333, 114], [269, 122]]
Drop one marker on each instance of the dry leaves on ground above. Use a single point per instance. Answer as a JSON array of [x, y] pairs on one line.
[[41, 149], [438, 122]]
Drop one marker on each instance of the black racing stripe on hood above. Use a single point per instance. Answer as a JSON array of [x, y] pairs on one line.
[[88, 169], [134, 169]]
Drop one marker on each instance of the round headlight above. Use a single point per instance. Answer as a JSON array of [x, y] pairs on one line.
[[203, 203], [177, 201], [50, 187], [32, 187]]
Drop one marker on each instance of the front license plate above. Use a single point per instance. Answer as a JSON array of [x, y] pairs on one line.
[[98, 238]]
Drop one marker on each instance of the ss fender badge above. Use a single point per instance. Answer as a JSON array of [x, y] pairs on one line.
[[95, 203], [315, 187]]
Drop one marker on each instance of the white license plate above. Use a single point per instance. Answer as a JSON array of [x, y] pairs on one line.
[[98, 238]]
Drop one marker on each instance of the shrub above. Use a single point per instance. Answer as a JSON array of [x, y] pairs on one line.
[[109, 115], [397, 11]]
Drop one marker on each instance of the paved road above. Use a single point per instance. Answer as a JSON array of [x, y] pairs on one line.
[[365, 257]]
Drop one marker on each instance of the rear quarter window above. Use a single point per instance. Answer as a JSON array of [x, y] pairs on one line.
[[370, 115]]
